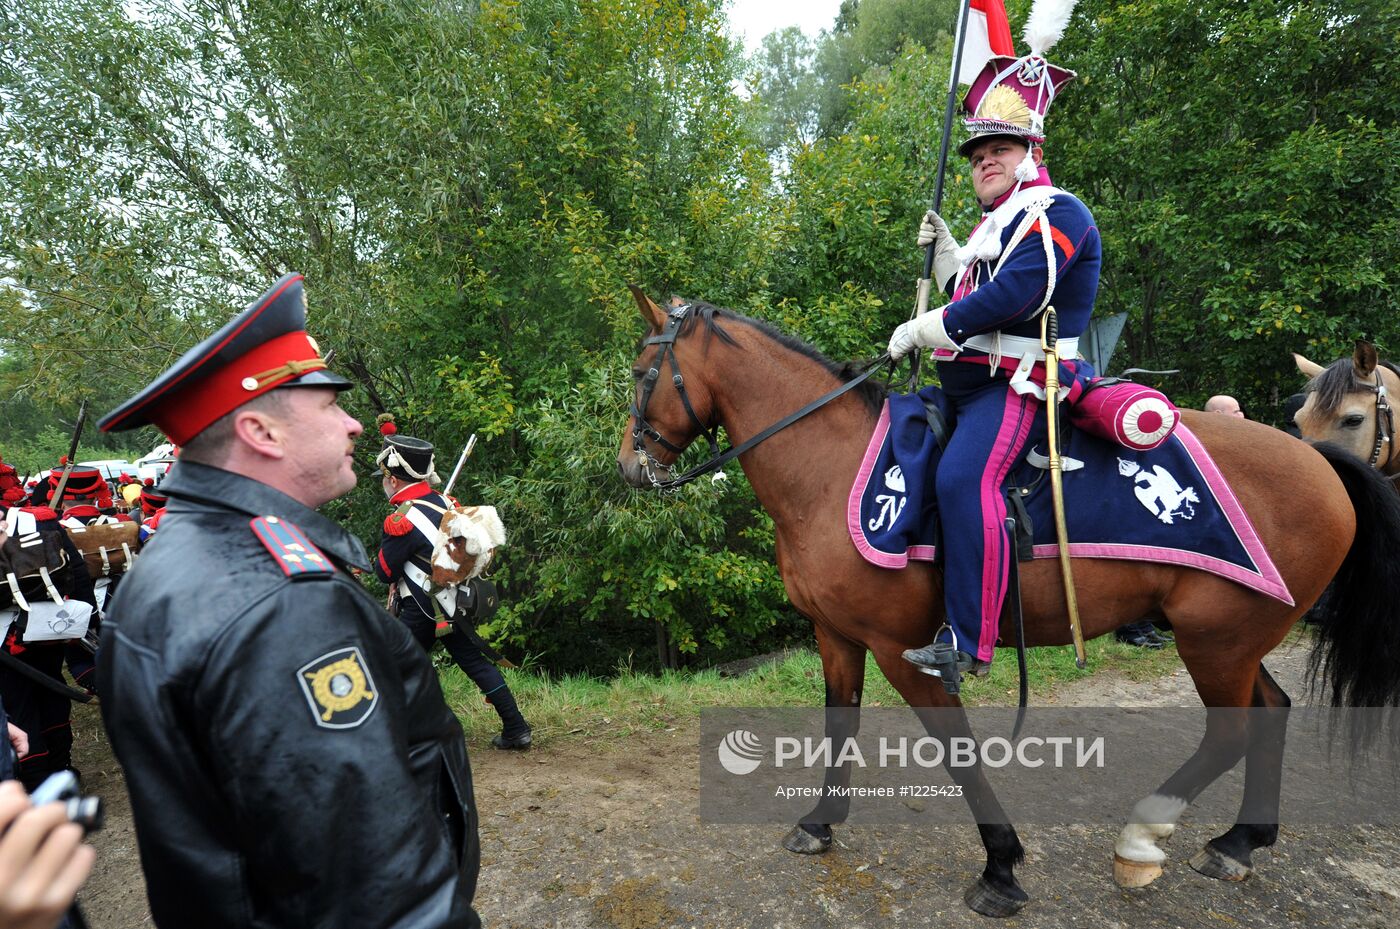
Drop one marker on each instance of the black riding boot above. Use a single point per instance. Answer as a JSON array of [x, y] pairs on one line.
[[515, 731]]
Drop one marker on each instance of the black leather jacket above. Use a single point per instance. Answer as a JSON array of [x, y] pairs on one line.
[[289, 755]]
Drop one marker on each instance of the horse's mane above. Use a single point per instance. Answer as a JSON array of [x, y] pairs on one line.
[[872, 391], [1336, 381]]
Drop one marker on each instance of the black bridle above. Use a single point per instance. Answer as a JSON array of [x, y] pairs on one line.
[[642, 430], [1385, 422]]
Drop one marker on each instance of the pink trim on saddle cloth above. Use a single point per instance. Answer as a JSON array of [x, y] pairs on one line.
[[1016, 420], [1268, 581], [867, 467]]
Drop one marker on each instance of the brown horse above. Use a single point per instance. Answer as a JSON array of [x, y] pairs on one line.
[[1349, 404], [703, 367]]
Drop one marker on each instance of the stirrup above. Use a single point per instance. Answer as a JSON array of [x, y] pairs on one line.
[[945, 662]]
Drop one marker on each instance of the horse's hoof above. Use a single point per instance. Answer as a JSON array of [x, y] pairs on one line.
[[802, 842], [982, 897], [1222, 867], [1133, 874]]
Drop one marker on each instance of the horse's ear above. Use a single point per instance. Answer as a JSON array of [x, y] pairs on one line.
[[1309, 369], [1365, 358], [650, 311]]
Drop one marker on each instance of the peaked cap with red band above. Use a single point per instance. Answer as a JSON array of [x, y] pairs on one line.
[[263, 348]]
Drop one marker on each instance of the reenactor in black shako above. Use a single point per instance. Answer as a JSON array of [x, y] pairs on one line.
[[290, 758], [405, 563], [87, 500]]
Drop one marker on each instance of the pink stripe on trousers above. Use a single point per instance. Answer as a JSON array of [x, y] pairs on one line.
[[1016, 422]]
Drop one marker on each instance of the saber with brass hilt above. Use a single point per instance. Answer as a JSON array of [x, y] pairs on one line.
[[1049, 336]]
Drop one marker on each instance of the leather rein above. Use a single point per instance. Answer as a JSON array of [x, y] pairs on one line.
[[643, 430]]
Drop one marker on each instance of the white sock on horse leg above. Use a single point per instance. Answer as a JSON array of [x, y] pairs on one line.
[[1153, 819]]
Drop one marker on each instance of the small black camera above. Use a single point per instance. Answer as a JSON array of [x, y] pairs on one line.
[[62, 787]]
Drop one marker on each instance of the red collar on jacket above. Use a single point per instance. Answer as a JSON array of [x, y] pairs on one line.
[[82, 512], [411, 492]]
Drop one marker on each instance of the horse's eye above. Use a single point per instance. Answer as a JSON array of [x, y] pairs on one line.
[[1353, 421], [637, 374]]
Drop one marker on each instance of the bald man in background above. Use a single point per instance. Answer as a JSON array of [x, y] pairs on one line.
[[1224, 403]]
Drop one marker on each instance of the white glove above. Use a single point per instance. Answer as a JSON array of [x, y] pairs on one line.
[[921, 332], [901, 342], [934, 231]]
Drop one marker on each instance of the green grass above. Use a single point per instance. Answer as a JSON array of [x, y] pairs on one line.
[[581, 707]]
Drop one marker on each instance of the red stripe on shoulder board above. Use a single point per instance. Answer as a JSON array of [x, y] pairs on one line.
[[290, 548]]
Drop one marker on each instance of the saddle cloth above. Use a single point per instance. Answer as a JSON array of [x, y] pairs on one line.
[[1170, 505]]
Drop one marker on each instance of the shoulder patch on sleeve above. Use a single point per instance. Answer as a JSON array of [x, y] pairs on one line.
[[397, 522], [291, 549], [338, 688]]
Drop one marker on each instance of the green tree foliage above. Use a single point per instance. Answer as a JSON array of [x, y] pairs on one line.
[[1236, 159], [698, 561], [803, 84], [468, 186]]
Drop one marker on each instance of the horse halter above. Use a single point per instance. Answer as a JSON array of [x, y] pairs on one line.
[[665, 350], [1385, 423]]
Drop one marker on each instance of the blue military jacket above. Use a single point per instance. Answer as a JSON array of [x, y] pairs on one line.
[[1011, 300]]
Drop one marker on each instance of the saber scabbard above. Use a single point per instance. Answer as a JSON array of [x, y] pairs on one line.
[[1049, 336]]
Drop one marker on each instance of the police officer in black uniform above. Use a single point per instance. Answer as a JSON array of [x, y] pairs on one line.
[[289, 755], [405, 563]]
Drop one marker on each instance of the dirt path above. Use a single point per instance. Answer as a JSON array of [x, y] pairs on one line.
[[606, 834]]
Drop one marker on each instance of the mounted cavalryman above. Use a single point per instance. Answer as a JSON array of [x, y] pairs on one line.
[[1034, 243]]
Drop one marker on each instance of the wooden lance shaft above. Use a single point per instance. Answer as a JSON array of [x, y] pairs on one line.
[[1049, 335], [921, 296]]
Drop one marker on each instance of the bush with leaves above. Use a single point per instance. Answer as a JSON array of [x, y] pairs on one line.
[[590, 558]]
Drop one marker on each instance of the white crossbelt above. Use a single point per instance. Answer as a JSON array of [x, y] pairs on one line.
[[1000, 345], [412, 574], [1018, 345]]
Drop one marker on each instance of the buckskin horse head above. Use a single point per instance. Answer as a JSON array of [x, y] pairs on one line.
[[1350, 403]]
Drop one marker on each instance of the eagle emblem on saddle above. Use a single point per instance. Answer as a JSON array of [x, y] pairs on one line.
[[1159, 492]]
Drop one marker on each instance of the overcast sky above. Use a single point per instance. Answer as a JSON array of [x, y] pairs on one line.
[[754, 19]]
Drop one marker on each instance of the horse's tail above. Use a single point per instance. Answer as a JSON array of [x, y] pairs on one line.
[[1358, 647]]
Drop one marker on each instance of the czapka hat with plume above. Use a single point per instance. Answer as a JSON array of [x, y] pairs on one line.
[[1010, 96]]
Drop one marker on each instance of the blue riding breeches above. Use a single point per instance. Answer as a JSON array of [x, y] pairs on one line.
[[994, 428]]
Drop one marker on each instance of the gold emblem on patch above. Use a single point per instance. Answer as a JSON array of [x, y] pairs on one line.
[[338, 689]]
